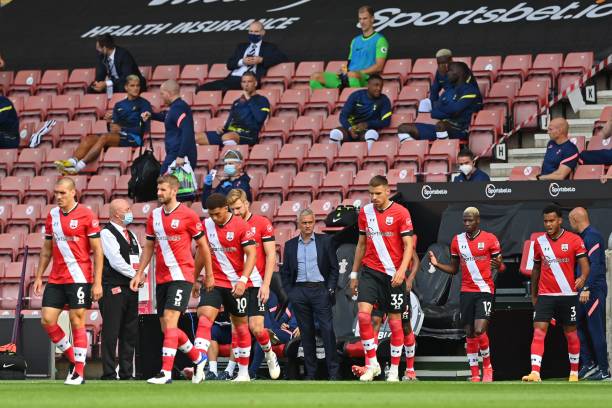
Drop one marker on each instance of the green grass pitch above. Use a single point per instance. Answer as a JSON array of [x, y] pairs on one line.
[[182, 394]]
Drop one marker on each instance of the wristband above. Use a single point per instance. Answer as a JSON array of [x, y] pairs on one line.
[[354, 275], [244, 279]]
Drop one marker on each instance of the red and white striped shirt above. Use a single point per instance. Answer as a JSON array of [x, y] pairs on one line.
[[262, 231], [475, 255]]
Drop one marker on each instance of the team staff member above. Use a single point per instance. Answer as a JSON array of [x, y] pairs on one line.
[[114, 65], [367, 56], [476, 251], [467, 168], [126, 130], [245, 120], [383, 253], [9, 124], [263, 235], [366, 111], [226, 283], [72, 231], [554, 288], [170, 229], [178, 121], [232, 177], [591, 315], [561, 156], [119, 305]]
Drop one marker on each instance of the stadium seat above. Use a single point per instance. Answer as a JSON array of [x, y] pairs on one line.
[[63, 107], [282, 234], [305, 186], [441, 159], [582, 172], [290, 158], [409, 97], [391, 90], [395, 176], [381, 155], [321, 208], [501, 95], [29, 162], [40, 190], [206, 102], [121, 187], [6, 79], [10, 244], [162, 73], [115, 160], [344, 95], [604, 116], [397, 70], [279, 76], [335, 185], [193, 75], [350, 156], [187, 95], [217, 71], [320, 157], [423, 72], [531, 96], [579, 141], [13, 187], [305, 69], [146, 71], [545, 66], [99, 189], [35, 108], [79, 80], [7, 158], [397, 119], [362, 179], [276, 130], [466, 60], [305, 130], [263, 208], [207, 156], [142, 211], [514, 68], [523, 173], [598, 143], [34, 241], [275, 186], [57, 153], [91, 106], [485, 68], [52, 82], [485, 131], [117, 96], [330, 122], [6, 209], [25, 82], [75, 130], [322, 101], [576, 64], [228, 100], [335, 66], [262, 156], [23, 218], [9, 290], [288, 211], [292, 102], [154, 99]]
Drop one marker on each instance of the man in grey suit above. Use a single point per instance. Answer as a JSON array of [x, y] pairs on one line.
[[310, 275]]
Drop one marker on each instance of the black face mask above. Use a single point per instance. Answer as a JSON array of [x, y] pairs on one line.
[[254, 38]]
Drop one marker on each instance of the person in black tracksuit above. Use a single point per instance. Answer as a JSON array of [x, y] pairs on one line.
[[119, 305]]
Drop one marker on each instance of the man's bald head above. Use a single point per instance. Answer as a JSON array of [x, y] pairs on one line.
[[558, 129], [171, 86], [66, 182], [256, 27], [579, 219], [65, 193], [117, 210]]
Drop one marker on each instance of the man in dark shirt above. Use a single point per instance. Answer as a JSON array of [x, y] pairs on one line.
[[114, 66], [468, 169], [365, 112], [561, 155], [9, 124], [245, 120], [126, 130]]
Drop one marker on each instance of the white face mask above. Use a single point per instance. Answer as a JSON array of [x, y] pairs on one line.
[[466, 168]]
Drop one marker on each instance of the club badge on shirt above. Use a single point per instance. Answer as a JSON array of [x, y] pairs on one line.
[[230, 235], [175, 223], [564, 247], [74, 224], [481, 245], [389, 220]]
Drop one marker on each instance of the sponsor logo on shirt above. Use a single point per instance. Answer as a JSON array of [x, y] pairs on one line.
[[371, 233]]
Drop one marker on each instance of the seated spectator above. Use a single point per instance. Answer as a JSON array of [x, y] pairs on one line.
[[256, 56], [366, 111], [600, 156], [126, 130], [440, 82], [245, 120], [233, 176], [468, 169], [367, 56], [454, 109], [114, 65], [561, 155], [9, 124]]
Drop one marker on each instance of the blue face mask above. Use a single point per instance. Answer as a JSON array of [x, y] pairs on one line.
[[128, 218], [229, 169], [254, 38]]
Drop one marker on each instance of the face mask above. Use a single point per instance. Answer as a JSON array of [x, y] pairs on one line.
[[229, 169], [128, 218], [466, 168], [254, 38]]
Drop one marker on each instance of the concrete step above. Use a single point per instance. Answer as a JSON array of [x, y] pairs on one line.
[[604, 97], [581, 126], [591, 111], [531, 155]]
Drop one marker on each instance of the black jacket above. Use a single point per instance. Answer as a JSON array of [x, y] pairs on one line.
[[124, 64], [269, 52], [326, 260]]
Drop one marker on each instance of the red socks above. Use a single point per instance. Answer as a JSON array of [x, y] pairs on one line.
[[171, 337], [409, 348], [185, 345], [472, 354], [483, 341], [80, 350], [202, 338], [397, 340], [366, 332], [61, 340], [244, 344], [264, 341], [573, 349], [537, 349]]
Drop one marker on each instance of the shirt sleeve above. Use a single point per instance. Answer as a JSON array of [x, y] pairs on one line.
[[495, 249], [571, 160], [406, 228], [452, 108], [347, 109], [454, 248], [594, 248], [267, 230], [361, 222], [150, 233], [48, 228], [382, 47], [537, 253], [112, 252], [195, 228], [434, 91], [185, 125], [115, 118], [93, 226], [246, 236], [581, 250]]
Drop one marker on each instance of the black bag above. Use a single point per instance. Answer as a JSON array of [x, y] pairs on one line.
[[12, 366], [145, 170], [342, 216]]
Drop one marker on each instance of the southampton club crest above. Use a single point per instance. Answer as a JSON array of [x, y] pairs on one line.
[[74, 224], [481, 245], [389, 220], [174, 224], [229, 236], [564, 247]]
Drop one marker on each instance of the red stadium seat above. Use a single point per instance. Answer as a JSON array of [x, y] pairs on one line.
[[292, 102], [322, 101], [524, 173], [262, 156], [52, 82], [142, 211], [115, 160], [598, 143], [40, 190], [305, 186], [6, 79], [35, 108], [335, 184], [18, 101], [576, 64], [409, 98], [486, 67], [29, 161], [441, 158], [9, 290], [395, 176], [331, 122], [287, 212], [381, 155], [276, 130], [10, 244], [423, 71], [350, 156], [579, 141], [146, 71], [121, 187], [362, 179], [275, 186], [208, 156], [206, 101], [25, 82], [305, 130], [532, 95], [391, 90], [13, 187], [279, 76], [335, 66], [7, 158], [99, 189], [63, 107], [91, 106], [344, 95], [58, 153], [228, 100], [23, 218], [193, 74], [396, 120], [582, 172], [501, 95], [515, 68], [397, 70], [117, 96], [263, 208], [321, 208], [6, 209], [79, 80], [545, 66], [154, 99], [304, 71], [162, 73], [485, 131], [34, 242], [217, 71], [290, 158], [320, 157]]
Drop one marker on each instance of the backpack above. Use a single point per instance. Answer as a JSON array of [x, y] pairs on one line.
[[12, 367], [342, 216], [145, 170]]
